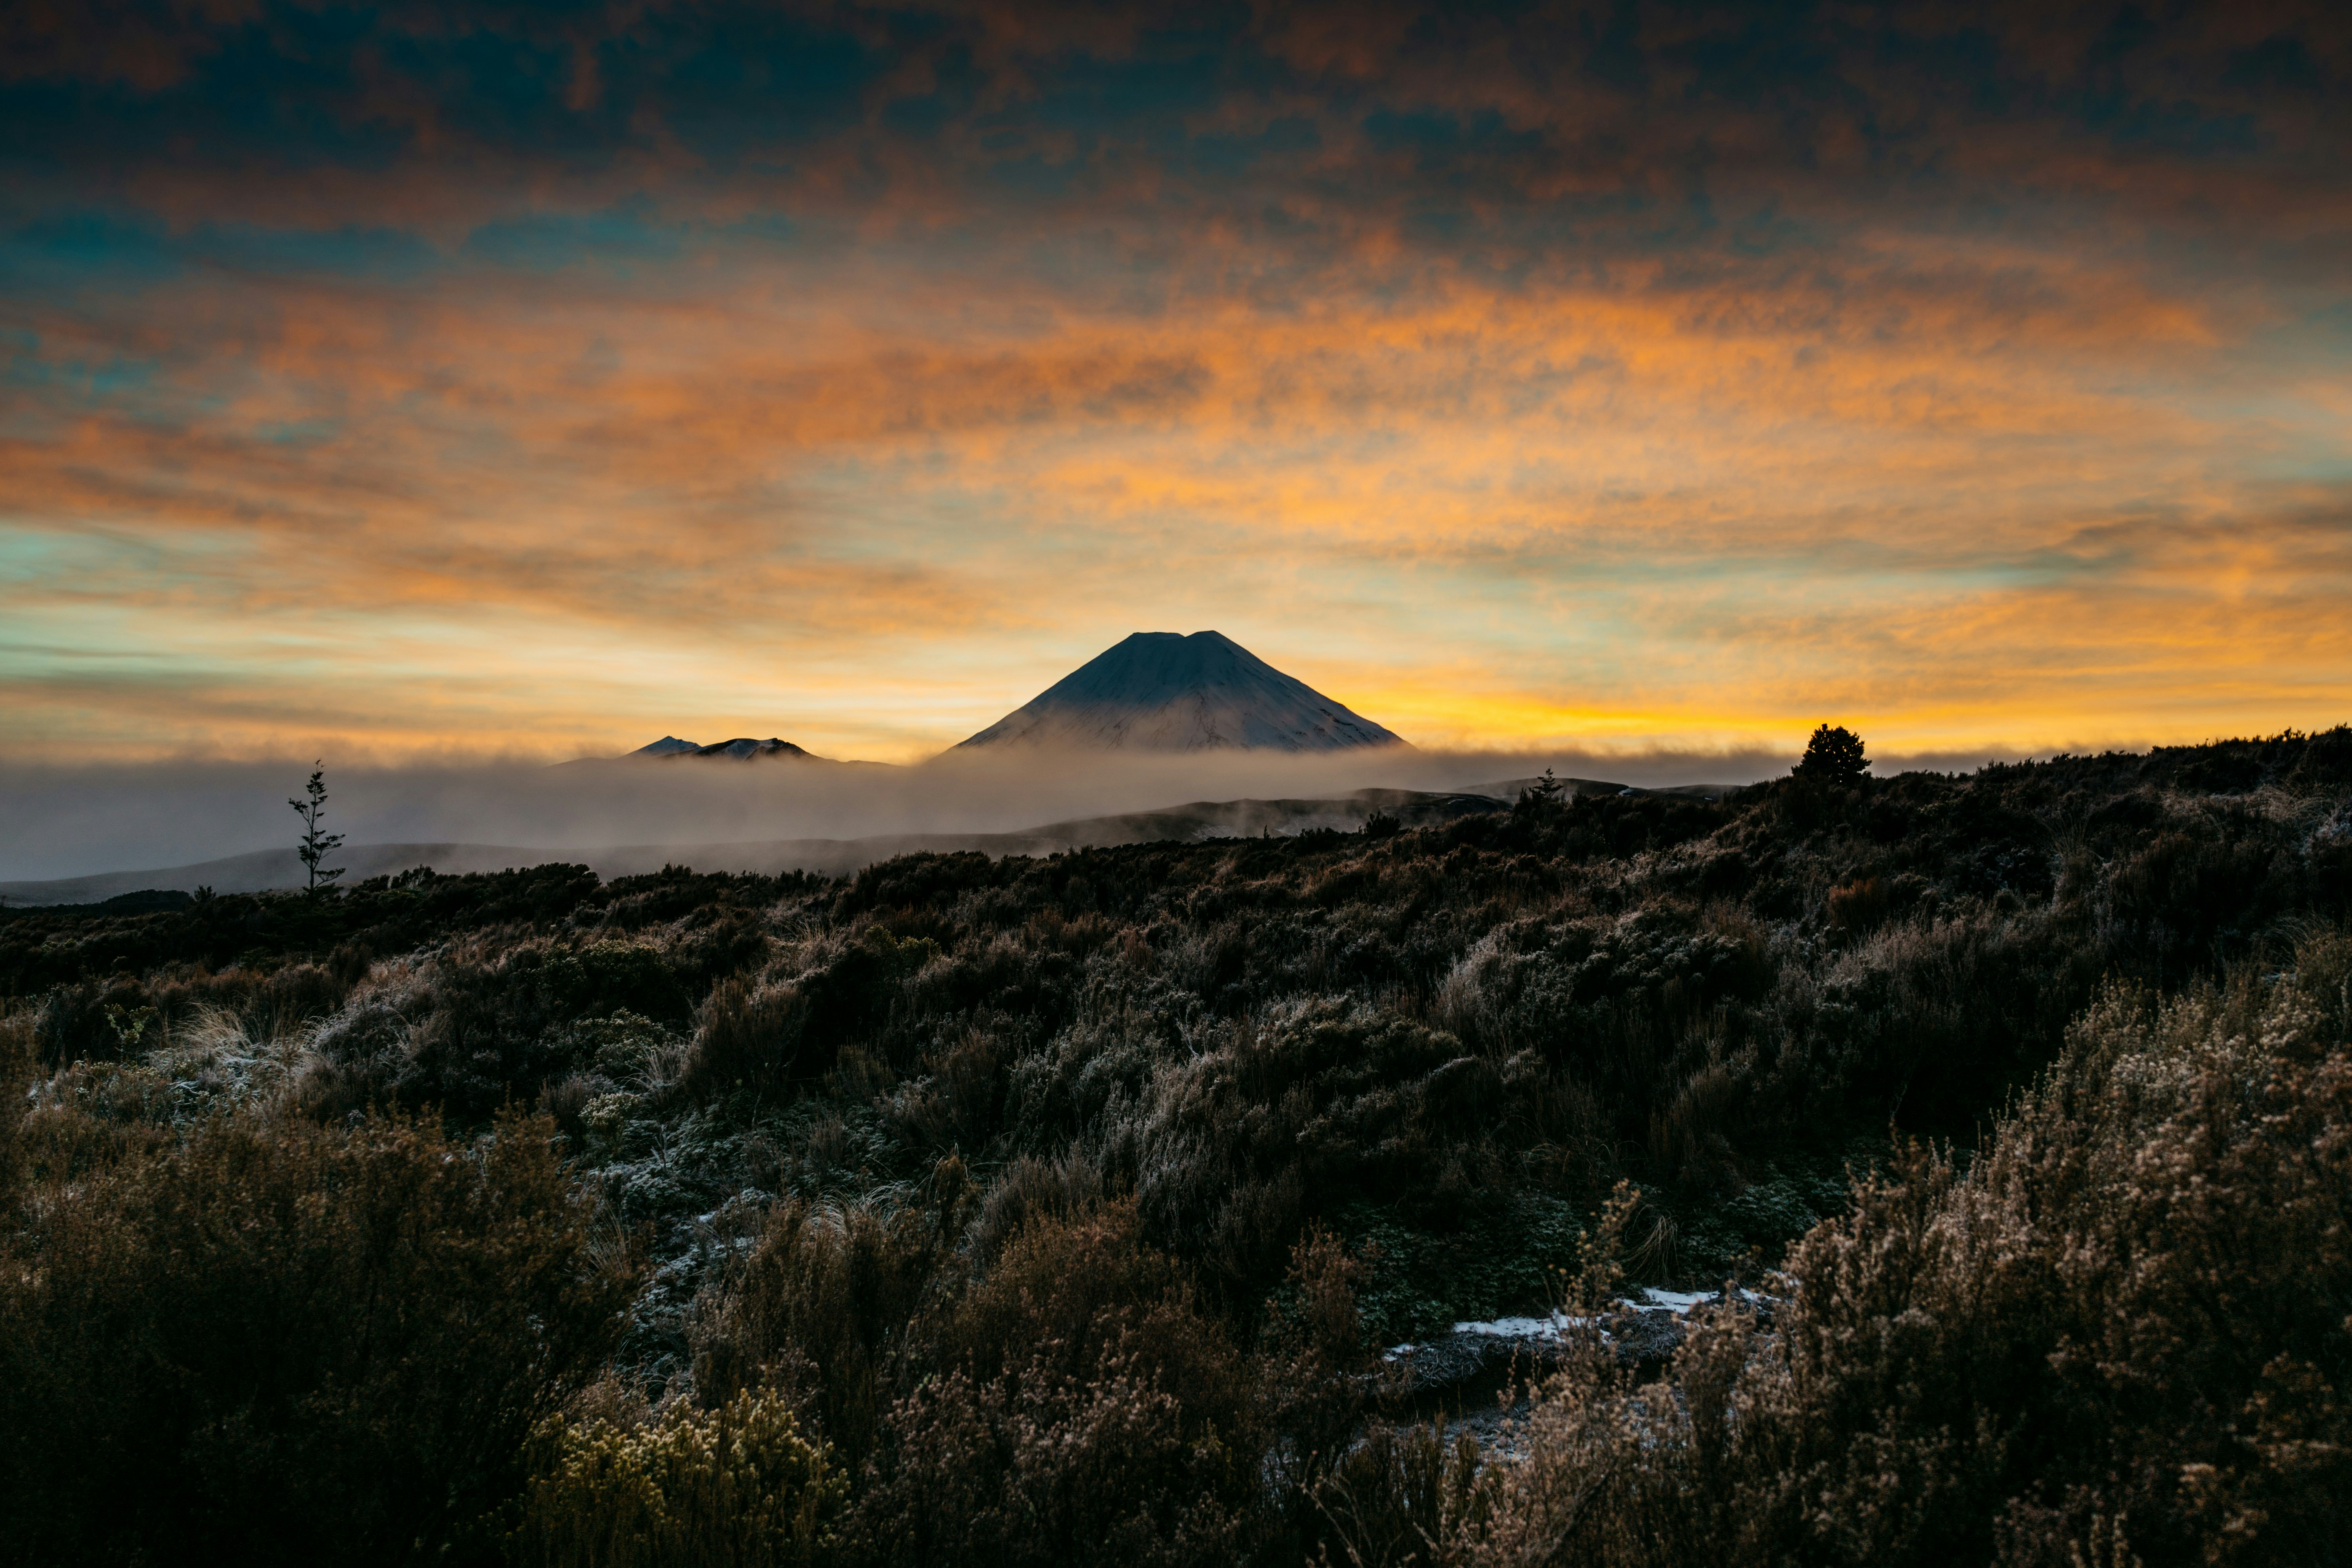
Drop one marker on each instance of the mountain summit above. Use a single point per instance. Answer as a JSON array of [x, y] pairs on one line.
[[1164, 691], [740, 750]]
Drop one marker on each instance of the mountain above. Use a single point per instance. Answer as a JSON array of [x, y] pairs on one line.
[[1164, 691], [671, 746]]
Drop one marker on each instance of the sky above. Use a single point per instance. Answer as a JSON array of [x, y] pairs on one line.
[[431, 381]]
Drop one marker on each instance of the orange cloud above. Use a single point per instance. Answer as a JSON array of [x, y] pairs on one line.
[[1477, 396]]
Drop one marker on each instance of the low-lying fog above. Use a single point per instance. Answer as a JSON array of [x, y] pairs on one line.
[[66, 822]]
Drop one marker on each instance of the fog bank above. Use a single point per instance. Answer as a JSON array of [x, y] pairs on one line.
[[77, 821]]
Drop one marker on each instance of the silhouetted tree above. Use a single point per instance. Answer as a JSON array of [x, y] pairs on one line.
[[316, 846], [1542, 795], [1833, 756]]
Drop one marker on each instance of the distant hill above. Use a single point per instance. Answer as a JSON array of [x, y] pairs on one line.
[[1579, 789], [266, 869], [262, 870], [1164, 691], [1203, 819]]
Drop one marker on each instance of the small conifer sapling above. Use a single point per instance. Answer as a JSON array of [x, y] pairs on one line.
[[315, 845], [1544, 795]]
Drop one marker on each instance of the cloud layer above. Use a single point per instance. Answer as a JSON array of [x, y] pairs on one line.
[[421, 379]]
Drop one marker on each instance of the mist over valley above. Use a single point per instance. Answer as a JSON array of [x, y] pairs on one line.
[[1160, 737]]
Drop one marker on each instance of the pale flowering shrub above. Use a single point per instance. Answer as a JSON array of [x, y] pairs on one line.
[[738, 1487]]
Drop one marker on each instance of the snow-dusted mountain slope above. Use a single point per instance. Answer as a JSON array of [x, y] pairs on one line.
[[770, 747], [1162, 692], [671, 746]]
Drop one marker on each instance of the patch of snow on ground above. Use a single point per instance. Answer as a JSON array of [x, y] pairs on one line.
[[1646, 1299], [1678, 1302], [1550, 1328]]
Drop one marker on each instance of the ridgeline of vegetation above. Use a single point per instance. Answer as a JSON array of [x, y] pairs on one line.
[[1057, 1211]]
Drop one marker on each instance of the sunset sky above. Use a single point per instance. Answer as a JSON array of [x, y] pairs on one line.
[[438, 380]]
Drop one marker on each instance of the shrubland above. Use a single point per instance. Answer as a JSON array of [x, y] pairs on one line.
[[1057, 1210]]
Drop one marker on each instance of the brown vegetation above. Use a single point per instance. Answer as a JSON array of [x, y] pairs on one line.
[[997, 1212], [292, 1342], [2117, 1336]]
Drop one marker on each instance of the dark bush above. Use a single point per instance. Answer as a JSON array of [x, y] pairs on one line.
[[273, 1343], [1832, 757]]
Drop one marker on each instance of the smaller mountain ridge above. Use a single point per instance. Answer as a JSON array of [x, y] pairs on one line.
[[741, 748], [1164, 692]]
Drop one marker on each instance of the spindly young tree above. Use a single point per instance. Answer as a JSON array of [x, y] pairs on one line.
[[316, 846], [1833, 756]]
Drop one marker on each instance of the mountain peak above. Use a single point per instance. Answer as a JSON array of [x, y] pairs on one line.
[[745, 747], [1165, 692]]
